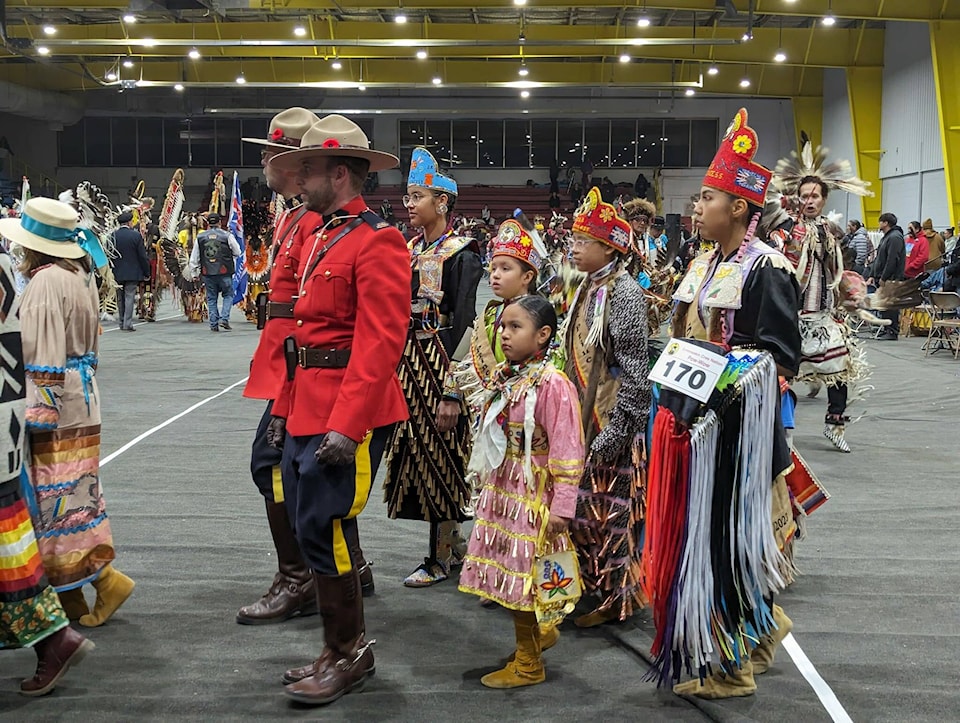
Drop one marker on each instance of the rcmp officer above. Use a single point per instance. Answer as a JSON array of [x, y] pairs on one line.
[[335, 413], [292, 592]]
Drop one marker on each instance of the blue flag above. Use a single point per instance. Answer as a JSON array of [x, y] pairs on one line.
[[235, 226]]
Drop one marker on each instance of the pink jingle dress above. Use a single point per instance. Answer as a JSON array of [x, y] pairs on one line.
[[509, 514]]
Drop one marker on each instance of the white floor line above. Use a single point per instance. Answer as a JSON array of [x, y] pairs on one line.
[[139, 438], [823, 690], [141, 321]]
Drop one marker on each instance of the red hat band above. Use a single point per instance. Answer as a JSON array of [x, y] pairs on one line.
[[733, 169]]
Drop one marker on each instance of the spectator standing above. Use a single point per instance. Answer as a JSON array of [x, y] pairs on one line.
[[554, 177], [586, 173], [858, 239], [641, 186], [918, 251], [889, 266], [936, 245], [130, 267], [214, 256]]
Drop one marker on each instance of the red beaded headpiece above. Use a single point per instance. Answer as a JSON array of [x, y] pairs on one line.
[[733, 169], [512, 240], [599, 220]]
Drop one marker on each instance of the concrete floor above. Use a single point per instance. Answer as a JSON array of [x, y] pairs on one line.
[[875, 609]]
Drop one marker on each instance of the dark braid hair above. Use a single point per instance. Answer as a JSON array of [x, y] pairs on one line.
[[542, 313]]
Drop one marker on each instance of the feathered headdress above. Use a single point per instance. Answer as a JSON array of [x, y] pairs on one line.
[[835, 174]]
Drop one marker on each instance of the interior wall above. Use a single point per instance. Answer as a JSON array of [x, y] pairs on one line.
[[838, 137], [914, 186]]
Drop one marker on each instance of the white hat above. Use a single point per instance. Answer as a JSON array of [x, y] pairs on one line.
[[287, 128], [46, 226], [335, 135]]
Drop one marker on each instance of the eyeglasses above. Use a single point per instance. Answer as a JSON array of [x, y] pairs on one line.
[[580, 242], [413, 198]]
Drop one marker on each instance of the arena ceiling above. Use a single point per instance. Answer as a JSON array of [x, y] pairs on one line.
[[689, 46]]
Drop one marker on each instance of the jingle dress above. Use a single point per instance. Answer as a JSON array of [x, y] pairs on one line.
[[29, 607], [511, 513], [425, 476], [60, 329], [609, 371]]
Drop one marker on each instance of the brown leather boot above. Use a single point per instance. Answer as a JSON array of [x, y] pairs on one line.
[[55, 654], [292, 591], [347, 660], [352, 536]]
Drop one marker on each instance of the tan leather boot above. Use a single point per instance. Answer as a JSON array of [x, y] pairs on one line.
[[762, 655], [527, 666], [735, 684], [292, 591], [113, 589]]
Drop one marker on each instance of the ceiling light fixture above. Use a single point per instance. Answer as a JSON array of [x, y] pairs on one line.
[[745, 82], [437, 80], [111, 76], [299, 31], [241, 79], [690, 91], [519, 2], [524, 70], [421, 55], [43, 50], [49, 30], [128, 63], [643, 22], [780, 56], [178, 87], [129, 19], [336, 65], [829, 20], [194, 54], [713, 70], [361, 87], [400, 19], [524, 93], [624, 58], [747, 37], [148, 42]]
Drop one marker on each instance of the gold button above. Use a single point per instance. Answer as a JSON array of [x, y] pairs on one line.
[[326, 273], [324, 237], [303, 294], [299, 322]]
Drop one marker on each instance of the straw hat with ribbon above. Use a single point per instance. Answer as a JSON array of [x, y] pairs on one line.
[[287, 129], [335, 135], [50, 227]]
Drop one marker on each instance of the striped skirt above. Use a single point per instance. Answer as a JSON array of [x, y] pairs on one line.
[[69, 514], [29, 608]]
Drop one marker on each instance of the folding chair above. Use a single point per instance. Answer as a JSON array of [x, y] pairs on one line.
[[945, 325]]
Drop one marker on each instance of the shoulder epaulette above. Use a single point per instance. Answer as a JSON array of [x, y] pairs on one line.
[[373, 220]]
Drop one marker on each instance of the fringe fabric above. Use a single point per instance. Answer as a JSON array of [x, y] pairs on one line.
[[609, 527], [425, 479]]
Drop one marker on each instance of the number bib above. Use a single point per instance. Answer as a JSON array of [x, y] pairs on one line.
[[688, 369]]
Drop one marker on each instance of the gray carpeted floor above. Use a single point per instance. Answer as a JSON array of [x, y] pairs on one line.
[[875, 609]]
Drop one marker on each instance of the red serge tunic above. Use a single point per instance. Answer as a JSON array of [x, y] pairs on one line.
[[267, 369], [357, 297]]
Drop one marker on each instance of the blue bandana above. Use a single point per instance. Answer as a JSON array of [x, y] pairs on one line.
[[424, 172]]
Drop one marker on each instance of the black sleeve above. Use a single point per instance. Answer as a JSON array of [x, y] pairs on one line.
[[460, 296], [768, 317], [896, 257], [142, 257]]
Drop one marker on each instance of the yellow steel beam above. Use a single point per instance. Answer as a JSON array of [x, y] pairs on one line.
[[946, 77], [808, 116], [864, 93], [817, 47], [916, 10]]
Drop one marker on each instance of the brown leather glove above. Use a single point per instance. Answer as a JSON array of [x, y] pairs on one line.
[[336, 449], [276, 431]]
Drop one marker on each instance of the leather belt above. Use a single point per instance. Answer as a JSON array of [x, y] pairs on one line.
[[278, 310], [311, 358]]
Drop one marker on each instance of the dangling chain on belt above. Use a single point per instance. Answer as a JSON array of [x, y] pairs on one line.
[[425, 317]]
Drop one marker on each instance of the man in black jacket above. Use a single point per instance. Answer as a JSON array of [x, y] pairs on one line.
[[889, 266], [129, 268]]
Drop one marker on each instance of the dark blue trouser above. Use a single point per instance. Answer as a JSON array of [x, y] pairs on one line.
[[265, 461], [323, 500]]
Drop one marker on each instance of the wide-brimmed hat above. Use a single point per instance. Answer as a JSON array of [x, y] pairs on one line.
[[335, 135], [287, 129], [46, 226]]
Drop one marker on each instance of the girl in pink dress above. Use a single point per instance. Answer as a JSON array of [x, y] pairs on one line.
[[528, 455]]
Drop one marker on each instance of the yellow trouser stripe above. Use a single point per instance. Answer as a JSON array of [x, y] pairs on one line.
[[362, 481], [341, 553], [277, 484]]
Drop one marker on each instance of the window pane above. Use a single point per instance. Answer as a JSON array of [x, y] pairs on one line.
[[543, 140], [150, 141], [252, 128], [228, 142], [98, 141], [516, 140], [438, 140], [175, 150], [596, 142], [623, 143], [124, 141], [72, 145], [676, 144], [202, 135], [649, 145], [704, 139], [411, 136], [569, 139], [464, 144], [490, 138]]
